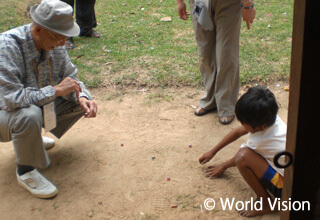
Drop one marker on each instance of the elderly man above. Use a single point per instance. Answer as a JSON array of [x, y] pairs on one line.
[[39, 88]]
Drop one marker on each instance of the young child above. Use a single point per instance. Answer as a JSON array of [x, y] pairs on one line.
[[257, 112]]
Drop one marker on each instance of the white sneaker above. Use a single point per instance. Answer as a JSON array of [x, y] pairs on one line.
[[48, 143], [37, 184]]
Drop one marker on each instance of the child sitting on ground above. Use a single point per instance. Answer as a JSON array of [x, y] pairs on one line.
[[257, 112]]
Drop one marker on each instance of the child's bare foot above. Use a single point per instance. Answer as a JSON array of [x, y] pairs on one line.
[[213, 171], [251, 213]]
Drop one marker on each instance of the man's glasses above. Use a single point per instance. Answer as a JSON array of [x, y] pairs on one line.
[[59, 41]]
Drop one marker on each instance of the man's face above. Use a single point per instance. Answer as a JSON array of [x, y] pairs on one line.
[[51, 40]]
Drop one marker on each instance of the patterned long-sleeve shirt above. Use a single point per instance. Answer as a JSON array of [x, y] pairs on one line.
[[20, 61]]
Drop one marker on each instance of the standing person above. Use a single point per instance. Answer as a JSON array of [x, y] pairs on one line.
[[216, 25], [257, 112], [86, 19], [38, 87]]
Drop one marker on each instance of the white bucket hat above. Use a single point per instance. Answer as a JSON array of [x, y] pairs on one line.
[[56, 16]]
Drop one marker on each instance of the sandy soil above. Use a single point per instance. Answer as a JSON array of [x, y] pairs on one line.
[[98, 178]]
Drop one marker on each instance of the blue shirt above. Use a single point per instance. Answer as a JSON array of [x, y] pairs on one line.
[[19, 85]]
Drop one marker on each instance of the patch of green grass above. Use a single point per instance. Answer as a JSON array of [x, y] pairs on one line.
[[114, 95], [159, 97], [143, 216], [55, 206], [265, 50], [185, 201], [137, 49]]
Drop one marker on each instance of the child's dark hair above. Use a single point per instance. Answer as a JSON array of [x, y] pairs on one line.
[[256, 107]]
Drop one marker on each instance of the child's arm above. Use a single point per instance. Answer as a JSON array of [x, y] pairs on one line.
[[229, 138]]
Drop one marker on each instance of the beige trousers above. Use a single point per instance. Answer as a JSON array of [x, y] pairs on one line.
[[23, 126], [219, 56]]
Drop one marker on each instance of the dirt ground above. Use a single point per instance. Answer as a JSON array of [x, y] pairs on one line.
[[98, 178]]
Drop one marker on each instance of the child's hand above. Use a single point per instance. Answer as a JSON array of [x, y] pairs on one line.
[[214, 171], [206, 157]]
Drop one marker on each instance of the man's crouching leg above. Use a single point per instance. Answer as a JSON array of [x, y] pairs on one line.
[[24, 127]]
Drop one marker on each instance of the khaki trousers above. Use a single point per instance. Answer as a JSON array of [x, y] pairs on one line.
[[23, 126], [219, 56]]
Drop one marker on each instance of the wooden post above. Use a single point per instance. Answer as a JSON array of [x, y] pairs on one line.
[[303, 178]]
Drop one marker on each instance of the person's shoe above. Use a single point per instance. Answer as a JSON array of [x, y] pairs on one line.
[[226, 119], [201, 111], [48, 143], [69, 44], [95, 34], [37, 184]]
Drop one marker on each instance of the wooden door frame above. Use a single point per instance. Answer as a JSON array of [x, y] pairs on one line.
[[301, 180]]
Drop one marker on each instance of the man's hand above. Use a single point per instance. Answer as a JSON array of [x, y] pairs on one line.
[[182, 9], [67, 86], [206, 157], [89, 107], [248, 16]]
